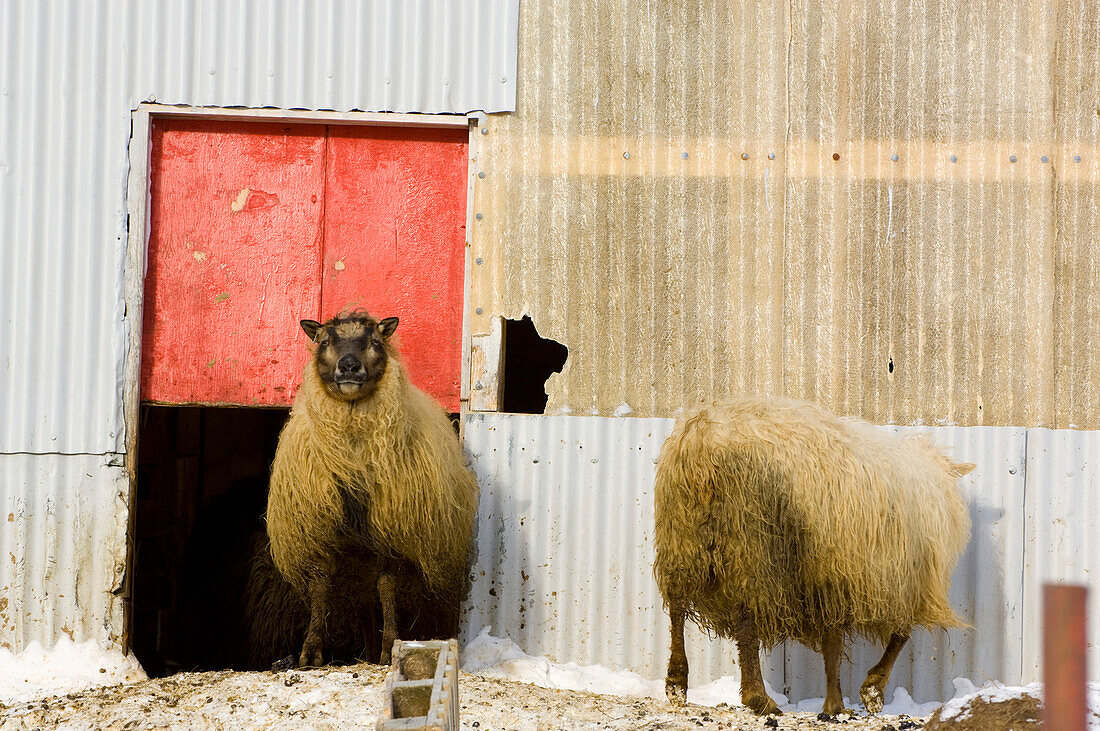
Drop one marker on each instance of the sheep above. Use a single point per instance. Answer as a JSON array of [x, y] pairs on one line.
[[776, 519], [369, 481]]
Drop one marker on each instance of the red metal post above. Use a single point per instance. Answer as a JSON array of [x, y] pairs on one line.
[[1065, 705]]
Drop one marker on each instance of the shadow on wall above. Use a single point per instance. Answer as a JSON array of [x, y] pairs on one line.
[[931, 659]]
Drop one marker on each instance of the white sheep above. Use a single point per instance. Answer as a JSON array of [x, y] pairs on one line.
[[776, 519]]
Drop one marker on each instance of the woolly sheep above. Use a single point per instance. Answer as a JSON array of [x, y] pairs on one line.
[[776, 519], [368, 480]]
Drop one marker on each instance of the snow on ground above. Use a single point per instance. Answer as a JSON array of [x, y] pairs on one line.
[[66, 667], [501, 687], [501, 658]]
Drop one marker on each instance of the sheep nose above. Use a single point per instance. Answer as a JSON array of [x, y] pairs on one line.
[[349, 363]]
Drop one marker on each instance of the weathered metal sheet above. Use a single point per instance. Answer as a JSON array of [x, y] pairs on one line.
[[1060, 542], [886, 207], [565, 554], [62, 548], [70, 75]]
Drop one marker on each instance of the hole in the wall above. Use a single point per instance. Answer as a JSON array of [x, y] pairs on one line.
[[529, 359]]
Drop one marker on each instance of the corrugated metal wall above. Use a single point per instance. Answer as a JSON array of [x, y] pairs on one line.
[[884, 206], [62, 547], [70, 75], [565, 553]]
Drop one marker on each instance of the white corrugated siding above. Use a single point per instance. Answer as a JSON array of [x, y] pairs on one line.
[[62, 547], [565, 554], [70, 75], [1062, 543]]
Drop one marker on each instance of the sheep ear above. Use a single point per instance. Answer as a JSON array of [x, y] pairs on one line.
[[962, 468], [311, 327], [387, 326]]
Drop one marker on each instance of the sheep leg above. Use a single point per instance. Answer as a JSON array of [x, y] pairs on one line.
[[832, 648], [873, 691], [311, 648], [676, 681], [387, 596], [753, 693]]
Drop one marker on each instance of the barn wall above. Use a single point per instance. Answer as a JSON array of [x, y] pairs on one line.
[[62, 547], [565, 553], [633, 207], [71, 75]]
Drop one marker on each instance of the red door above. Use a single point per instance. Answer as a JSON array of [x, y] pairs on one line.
[[257, 226]]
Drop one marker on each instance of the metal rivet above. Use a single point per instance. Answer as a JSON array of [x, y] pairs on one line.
[[771, 155], [626, 155], [484, 130], [478, 387], [836, 155], [478, 310], [953, 158], [744, 156], [481, 175], [477, 216], [894, 157], [504, 79], [1012, 158], [1077, 158], [684, 155], [479, 260], [1044, 158]]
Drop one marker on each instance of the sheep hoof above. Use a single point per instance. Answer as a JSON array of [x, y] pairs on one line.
[[676, 690], [871, 695], [761, 704], [832, 710], [310, 657]]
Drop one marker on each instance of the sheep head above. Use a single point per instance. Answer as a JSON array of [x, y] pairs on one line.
[[352, 353]]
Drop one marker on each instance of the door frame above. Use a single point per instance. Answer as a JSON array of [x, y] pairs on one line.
[[137, 246]]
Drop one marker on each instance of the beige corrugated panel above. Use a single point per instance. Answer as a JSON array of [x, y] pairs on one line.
[[953, 285]]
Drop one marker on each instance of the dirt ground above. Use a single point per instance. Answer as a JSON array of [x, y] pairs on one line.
[[350, 697]]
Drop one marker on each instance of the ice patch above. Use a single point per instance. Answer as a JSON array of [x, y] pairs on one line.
[[67, 667]]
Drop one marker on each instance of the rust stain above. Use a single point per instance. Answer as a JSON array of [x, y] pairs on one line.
[[11, 517], [69, 631]]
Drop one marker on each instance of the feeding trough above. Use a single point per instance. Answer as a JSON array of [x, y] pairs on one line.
[[421, 690]]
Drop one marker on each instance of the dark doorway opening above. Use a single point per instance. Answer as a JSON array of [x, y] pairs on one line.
[[529, 359], [201, 494]]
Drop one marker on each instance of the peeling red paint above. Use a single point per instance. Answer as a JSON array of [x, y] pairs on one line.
[[302, 221]]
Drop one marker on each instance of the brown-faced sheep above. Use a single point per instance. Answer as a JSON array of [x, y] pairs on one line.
[[368, 480], [776, 519]]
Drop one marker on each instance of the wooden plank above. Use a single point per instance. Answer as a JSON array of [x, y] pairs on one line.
[[232, 264], [395, 231]]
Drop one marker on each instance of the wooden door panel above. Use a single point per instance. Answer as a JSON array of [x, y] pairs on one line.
[[395, 233], [233, 260]]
